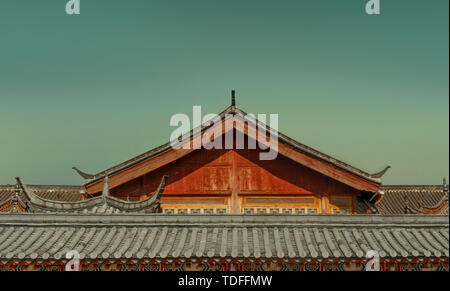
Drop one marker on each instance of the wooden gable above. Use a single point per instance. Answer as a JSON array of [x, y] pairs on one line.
[[236, 180]]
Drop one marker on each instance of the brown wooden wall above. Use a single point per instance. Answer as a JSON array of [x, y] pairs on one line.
[[236, 180]]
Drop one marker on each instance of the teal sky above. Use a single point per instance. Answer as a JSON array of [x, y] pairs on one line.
[[95, 89]]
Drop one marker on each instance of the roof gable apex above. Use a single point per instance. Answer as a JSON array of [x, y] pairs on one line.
[[298, 152]]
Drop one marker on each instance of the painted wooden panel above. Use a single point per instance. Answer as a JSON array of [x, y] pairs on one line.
[[204, 180], [237, 177], [327, 171], [211, 172]]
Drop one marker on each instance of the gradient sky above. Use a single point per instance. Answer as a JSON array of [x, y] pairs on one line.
[[95, 89]]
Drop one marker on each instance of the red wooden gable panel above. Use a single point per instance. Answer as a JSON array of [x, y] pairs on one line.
[[216, 172], [212, 171]]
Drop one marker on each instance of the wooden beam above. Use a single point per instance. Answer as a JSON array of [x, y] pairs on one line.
[[140, 169], [328, 170], [317, 165]]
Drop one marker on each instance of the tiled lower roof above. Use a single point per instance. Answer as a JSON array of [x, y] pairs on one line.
[[394, 197], [29, 237], [392, 203], [21, 198], [62, 193]]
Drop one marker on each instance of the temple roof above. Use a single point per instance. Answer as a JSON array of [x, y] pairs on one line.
[[91, 179], [42, 237]]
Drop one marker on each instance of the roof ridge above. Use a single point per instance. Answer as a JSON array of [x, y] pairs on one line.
[[44, 185], [313, 150], [157, 150], [214, 219], [54, 186]]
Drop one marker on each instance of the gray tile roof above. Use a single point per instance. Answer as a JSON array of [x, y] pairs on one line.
[[100, 204], [144, 237], [396, 198], [62, 193]]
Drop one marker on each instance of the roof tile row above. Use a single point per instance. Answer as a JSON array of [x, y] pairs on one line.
[[219, 237]]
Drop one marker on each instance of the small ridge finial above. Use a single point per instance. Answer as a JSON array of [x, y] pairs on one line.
[[16, 191], [105, 191], [445, 187], [233, 98]]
